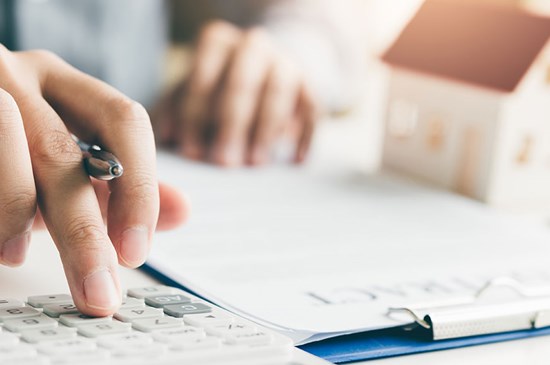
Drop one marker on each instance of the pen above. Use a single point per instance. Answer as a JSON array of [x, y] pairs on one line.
[[100, 164]]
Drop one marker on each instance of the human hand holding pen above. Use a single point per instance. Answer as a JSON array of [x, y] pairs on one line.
[[43, 101]]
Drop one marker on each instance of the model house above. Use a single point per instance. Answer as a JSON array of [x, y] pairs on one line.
[[469, 101]]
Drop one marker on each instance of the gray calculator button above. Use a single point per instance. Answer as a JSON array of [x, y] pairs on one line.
[[130, 302], [179, 310], [55, 310], [77, 319], [39, 301], [51, 334], [131, 314], [10, 303], [12, 313], [101, 329], [30, 323], [148, 291], [154, 324], [160, 301]]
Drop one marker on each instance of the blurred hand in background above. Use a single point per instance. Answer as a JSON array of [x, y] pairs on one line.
[[242, 95]]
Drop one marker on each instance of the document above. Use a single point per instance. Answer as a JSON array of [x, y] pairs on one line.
[[318, 252]]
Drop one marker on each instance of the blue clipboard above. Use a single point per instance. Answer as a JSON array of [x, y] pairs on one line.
[[371, 345], [397, 342]]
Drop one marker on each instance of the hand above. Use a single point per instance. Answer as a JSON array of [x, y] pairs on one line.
[[42, 101], [241, 96]]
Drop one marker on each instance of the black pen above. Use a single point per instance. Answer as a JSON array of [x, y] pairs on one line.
[[100, 164]]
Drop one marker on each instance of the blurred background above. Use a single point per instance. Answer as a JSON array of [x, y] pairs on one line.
[[339, 53]]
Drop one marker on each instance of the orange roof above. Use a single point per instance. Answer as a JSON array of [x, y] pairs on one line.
[[481, 44]]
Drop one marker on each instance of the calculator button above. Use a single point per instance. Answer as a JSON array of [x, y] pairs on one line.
[[77, 319], [175, 336], [180, 310], [8, 340], [65, 347], [22, 312], [18, 352], [252, 338], [102, 329], [10, 303], [89, 357], [148, 291], [39, 301], [31, 323], [160, 301], [130, 302], [35, 360], [39, 335], [132, 355], [131, 314], [154, 324], [125, 340], [55, 310], [231, 329], [203, 343], [217, 317]]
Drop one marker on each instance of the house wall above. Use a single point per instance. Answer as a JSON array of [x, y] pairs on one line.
[[522, 163], [464, 118]]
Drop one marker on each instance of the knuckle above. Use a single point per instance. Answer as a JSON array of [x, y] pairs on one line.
[[55, 147], [240, 83], [82, 233], [143, 191], [217, 31], [43, 56], [127, 111], [255, 37], [19, 204]]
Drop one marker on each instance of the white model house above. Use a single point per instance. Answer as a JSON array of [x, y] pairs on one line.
[[469, 101]]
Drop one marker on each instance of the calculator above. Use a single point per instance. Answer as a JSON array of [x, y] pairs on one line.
[[155, 325]]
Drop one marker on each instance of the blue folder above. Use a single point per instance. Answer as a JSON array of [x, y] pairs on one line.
[[384, 343]]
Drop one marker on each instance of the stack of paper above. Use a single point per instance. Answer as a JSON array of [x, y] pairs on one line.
[[317, 253]]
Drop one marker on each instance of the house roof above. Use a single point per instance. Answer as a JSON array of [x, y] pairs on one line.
[[481, 44]]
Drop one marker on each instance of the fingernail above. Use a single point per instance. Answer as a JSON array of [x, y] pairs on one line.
[[15, 250], [134, 246], [100, 291]]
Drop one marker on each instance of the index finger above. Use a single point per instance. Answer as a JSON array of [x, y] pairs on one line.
[[121, 126]]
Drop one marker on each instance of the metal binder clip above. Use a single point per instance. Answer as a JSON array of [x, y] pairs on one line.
[[527, 309]]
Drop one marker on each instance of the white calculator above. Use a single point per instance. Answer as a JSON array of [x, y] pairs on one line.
[[155, 325]]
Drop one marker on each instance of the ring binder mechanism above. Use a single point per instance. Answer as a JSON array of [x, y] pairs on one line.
[[481, 315]]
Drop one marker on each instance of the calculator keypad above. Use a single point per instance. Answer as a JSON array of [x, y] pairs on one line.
[[156, 324]]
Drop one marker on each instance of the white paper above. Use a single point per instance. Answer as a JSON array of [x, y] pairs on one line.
[[313, 251]]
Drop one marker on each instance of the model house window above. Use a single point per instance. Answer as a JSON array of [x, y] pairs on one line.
[[525, 151], [435, 138], [403, 119]]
